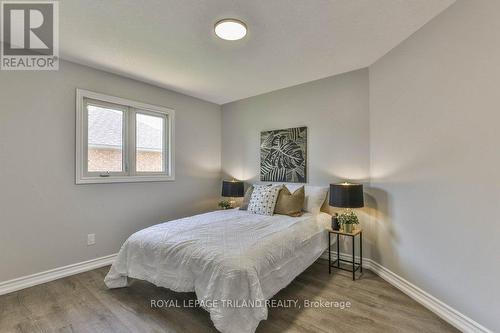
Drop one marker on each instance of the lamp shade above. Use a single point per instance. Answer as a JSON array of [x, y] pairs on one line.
[[346, 195], [232, 188]]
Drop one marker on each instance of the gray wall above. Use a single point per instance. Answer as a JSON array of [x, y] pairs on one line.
[[44, 216], [334, 109], [435, 115]]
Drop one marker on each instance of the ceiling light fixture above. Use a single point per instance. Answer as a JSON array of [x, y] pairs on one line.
[[230, 29]]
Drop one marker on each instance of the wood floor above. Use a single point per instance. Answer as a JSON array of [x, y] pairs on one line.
[[81, 303]]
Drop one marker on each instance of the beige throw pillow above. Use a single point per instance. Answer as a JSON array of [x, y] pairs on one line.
[[290, 203]]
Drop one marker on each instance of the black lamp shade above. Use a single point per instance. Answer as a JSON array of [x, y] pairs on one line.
[[232, 189], [346, 195]]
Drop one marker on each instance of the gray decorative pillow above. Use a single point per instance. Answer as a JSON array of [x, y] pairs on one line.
[[246, 199], [264, 199]]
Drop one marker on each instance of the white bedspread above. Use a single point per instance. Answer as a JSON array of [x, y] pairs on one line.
[[223, 255]]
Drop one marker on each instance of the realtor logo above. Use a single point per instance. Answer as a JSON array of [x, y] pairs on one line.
[[30, 35]]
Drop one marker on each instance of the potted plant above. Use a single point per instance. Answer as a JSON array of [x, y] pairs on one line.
[[225, 204], [347, 220]]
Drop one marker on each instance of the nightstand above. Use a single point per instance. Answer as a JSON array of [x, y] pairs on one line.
[[338, 261]]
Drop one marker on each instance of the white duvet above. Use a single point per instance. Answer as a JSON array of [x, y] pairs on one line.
[[224, 255]]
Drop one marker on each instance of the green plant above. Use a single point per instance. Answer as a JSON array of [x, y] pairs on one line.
[[225, 204], [348, 218]]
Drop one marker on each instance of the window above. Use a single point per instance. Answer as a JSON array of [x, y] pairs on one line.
[[118, 140]]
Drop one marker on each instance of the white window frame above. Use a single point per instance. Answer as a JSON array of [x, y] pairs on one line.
[[130, 110]]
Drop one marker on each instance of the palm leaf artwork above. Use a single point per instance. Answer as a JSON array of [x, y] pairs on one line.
[[283, 155]]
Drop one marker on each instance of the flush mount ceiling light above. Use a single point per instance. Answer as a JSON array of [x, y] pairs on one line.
[[230, 29]]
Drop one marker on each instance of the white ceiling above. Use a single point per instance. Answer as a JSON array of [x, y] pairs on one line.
[[171, 43]]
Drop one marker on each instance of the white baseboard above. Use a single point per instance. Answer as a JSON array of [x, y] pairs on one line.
[[446, 312], [10, 286]]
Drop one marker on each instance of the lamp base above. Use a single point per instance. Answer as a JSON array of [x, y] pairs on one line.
[[335, 222]]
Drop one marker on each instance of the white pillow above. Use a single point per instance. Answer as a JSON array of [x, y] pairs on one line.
[[264, 199], [314, 196]]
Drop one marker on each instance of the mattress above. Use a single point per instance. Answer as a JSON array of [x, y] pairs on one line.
[[230, 259]]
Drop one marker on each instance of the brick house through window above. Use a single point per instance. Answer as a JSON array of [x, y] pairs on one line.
[[105, 141]]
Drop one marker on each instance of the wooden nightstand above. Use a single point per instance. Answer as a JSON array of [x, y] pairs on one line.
[[355, 265]]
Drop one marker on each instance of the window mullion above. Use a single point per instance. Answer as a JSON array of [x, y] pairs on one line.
[[132, 142], [125, 141]]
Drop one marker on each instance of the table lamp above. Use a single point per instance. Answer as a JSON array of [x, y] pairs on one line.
[[232, 189], [347, 195]]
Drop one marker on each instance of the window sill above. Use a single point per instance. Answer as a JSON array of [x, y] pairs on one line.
[[124, 179]]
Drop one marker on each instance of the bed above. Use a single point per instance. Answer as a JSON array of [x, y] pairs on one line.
[[224, 255]]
